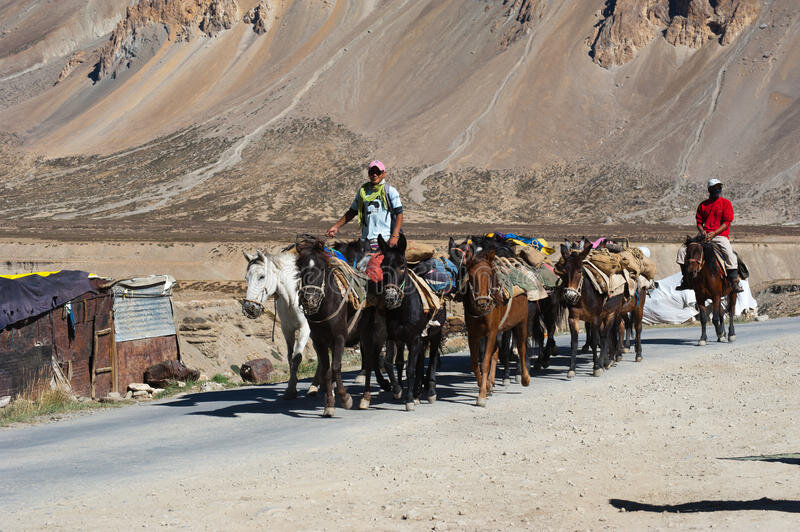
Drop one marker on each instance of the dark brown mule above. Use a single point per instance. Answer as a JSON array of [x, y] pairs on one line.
[[706, 277], [487, 312], [332, 319], [586, 304]]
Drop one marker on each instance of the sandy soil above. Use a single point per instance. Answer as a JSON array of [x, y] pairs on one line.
[[648, 447]]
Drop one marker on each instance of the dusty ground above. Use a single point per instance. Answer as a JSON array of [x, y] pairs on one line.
[[649, 445]]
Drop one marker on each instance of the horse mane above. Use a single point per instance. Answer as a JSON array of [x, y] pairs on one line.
[[314, 248]]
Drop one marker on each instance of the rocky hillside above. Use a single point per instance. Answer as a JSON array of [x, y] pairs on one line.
[[492, 110]]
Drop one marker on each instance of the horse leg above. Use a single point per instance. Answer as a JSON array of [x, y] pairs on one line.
[[414, 347], [485, 364], [588, 344], [505, 358], [638, 314], [731, 313], [490, 377], [536, 331], [606, 329], [386, 362], [338, 350], [716, 318], [475, 354], [368, 359], [550, 318], [573, 332], [520, 334], [701, 308], [420, 371], [435, 343], [294, 358], [327, 376], [620, 339], [599, 363]]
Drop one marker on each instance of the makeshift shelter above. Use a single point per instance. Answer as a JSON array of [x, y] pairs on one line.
[[60, 328], [667, 305]]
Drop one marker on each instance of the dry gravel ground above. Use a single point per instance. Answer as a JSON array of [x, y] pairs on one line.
[[648, 445]]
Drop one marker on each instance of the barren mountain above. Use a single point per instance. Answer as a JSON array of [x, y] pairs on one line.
[[483, 110]]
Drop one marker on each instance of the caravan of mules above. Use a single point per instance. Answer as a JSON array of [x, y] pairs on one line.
[[395, 299]]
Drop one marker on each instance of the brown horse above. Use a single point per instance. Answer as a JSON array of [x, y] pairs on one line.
[[487, 312], [586, 304], [707, 278]]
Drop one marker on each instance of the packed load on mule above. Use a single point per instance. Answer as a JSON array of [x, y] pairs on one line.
[[521, 263]]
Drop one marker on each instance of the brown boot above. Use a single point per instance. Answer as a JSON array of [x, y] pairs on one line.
[[733, 278]]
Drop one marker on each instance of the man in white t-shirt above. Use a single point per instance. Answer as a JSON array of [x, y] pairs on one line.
[[378, 208]]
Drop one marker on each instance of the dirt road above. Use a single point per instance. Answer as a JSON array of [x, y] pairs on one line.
[[656, 444]]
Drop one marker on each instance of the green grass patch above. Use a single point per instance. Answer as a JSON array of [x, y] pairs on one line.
[[33, 407], [173, 389]]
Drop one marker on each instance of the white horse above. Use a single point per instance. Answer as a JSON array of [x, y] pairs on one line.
[[277, 274]]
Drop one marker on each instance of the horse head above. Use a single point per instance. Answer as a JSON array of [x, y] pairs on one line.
[[262, 283], [354, 251], [695, 256], [482, 283], [395, 271], [570, 271], [313, 263]]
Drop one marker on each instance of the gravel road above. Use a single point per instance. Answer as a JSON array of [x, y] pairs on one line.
[[655, 444]]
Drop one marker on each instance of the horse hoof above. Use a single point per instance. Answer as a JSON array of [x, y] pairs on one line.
[[516, 379], [361, 379], [545, 365], [732, 338], [410, 407], [312, 390], [481, 402], [416, 401], [618, 358], [328, 412], [397, 395], [526, 380], [638, 358], [347, 404], [570, 374], [431, 399], [364, 404], [721, 340], [626, 349], [506, 382], [701, 343], [597, 372], [290, 395]]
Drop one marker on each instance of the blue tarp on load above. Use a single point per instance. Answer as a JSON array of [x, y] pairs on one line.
[[32, 295]]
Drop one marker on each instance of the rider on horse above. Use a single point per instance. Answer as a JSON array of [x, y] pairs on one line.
[[714, 217], [378, 207]]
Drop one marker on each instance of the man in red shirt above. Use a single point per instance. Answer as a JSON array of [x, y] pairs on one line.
[[714, 217]]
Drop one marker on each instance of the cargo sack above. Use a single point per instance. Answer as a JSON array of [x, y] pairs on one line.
[[417, 251], [531, 255], [633, 260], [605, 261]]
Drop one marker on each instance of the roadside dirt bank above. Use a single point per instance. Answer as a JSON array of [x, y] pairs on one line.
[[650, 445]]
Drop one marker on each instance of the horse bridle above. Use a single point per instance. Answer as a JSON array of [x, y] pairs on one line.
[[493, 289], [307, 292], [400, 290]]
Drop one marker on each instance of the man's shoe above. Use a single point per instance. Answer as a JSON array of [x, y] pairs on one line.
[[683, 285]]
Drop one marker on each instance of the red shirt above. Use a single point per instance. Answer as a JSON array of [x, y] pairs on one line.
[[713, 213]]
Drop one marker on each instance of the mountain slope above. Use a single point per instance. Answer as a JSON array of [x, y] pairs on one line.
[[497, 110]]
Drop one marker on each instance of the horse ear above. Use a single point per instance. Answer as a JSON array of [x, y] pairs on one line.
[[587, 247], [382, 244], [565, 250], [451, 244], [401, 244], [261, 256], [250, 258]]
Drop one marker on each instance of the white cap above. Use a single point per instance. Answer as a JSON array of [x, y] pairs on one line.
[[713, 182]]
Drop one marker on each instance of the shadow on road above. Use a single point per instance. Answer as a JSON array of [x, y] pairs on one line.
[[789, 458], [765, 504]]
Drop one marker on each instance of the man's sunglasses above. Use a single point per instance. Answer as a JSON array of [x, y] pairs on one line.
[[375, 171]]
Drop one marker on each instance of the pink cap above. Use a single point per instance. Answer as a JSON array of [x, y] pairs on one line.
[[377, 163]]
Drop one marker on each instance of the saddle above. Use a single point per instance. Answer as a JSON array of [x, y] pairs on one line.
[[347, 277], [517, 278], [610, 285]]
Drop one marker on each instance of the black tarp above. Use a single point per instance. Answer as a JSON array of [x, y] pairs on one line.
[[32, 295]]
